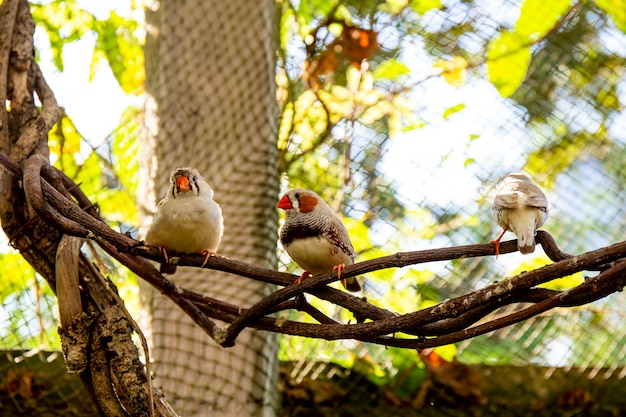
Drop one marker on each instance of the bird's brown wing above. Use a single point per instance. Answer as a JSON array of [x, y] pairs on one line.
[[338, 236]]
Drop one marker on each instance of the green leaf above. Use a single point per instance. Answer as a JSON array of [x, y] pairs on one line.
[[454, 70], [393, 6], [616, 9], [508, 57], [15, 272], [423, 6], [65, 145], [560, 155], [118, 44], [538, 17], [64, 22], [451, 110], [287, 20], [125, 148], [390, 69], [309, 10], [408, 376]]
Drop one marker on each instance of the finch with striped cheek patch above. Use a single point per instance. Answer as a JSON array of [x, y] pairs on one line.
[[187, 220], [314, 237], [521, 207]]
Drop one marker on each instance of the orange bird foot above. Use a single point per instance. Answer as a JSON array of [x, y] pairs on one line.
[[164, 252], [305, 274], [339, 268], [497, 242], [207, 254]]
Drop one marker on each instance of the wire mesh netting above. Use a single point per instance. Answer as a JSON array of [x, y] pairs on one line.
[[433, 187], [412, 163]]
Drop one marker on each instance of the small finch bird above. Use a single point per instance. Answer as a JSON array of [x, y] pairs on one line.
[[314, 237], [521, 207], [187, 220]]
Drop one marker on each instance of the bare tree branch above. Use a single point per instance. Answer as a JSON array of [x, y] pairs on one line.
[[447, 322]]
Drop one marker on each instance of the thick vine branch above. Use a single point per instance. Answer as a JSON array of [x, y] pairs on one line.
[[447, 322]]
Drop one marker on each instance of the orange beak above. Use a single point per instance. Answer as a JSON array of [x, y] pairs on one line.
[[182, 183], [284, 203]]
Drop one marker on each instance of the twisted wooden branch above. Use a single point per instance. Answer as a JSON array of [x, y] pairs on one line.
[[447, 322]]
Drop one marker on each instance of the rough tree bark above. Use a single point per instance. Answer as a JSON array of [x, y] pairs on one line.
[[211, 105]]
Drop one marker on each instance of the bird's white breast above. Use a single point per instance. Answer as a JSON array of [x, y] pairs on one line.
[[316, 254], [187, 225]]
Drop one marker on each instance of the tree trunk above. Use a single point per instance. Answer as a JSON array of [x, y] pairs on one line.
[[211, 105], [95, 333]]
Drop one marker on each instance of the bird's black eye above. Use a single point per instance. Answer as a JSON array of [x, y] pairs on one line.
[[297, 195], [194, 179]]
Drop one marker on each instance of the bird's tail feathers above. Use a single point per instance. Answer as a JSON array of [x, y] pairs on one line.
[[167, 269], [526, 240], [352, 285]]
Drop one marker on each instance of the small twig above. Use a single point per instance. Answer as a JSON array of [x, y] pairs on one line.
[[304, 306]]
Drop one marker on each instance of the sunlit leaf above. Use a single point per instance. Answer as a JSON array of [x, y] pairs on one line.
[[286, 124], [508, 57], [453, 71], [340, 103], [288, 19], [64, 22], [359, 234], [307, 11], [376, 112], [418, 277], [390, 69], [353, 82], [566, 282], [468, 162], [538, 17], [560, 155], [118, 43], [452, 110], [65, 145], [15, 272], [423, 6], [125, 148], [448, 352], [309, 120], [393, 6]]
